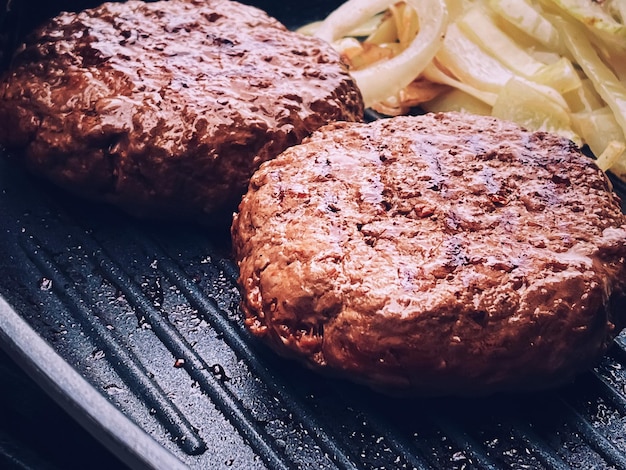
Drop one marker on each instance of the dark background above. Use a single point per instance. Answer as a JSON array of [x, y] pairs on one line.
[[35, 433]]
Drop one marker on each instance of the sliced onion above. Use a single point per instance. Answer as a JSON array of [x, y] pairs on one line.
[[433, 73], [384, 79]]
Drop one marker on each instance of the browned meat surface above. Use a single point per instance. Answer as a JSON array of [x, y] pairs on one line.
[[167, 108], [440, 254]]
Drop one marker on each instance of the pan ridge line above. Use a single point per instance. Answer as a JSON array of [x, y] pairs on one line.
[[610, 393], [540, 449], [593, 437], [127, 365], [194, 365]]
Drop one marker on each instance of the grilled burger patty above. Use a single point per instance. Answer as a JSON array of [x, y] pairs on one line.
[[440, 254], [167, 108]]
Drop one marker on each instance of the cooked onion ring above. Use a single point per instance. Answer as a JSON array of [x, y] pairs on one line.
[[383, 79]]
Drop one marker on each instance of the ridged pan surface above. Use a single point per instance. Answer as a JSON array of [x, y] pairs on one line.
[[143, 319]]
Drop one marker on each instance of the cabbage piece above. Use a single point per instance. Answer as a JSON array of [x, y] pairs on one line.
[[608, 86], [596, 15], [384, 79], [584, 98], [601, 18], [560, 75], [527, 18], [597, 128], [527, 106], [433, 73], [457, 100], [470, 64], [480, 27], [611, 155]]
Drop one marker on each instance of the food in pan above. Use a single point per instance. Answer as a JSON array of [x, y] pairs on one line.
[[442, 254], [166, 108], [554, 65]]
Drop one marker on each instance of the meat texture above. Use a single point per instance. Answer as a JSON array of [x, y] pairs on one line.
[[166, 108], [442, 254]]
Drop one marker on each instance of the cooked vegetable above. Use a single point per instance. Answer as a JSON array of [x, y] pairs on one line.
[[557, 65], [611, 154], [604, 80], [599, 16], [382, 79], [526, 105], [526, 17]]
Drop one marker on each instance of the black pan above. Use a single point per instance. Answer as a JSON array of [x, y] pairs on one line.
[[134, 330]]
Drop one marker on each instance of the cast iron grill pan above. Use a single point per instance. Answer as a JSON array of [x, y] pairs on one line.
[[134, 329]]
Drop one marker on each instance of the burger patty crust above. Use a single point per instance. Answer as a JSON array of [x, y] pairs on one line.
[[442, 254], [167, 108]]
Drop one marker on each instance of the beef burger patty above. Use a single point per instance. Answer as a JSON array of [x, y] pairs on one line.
[[167, 108], [440, 254]]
